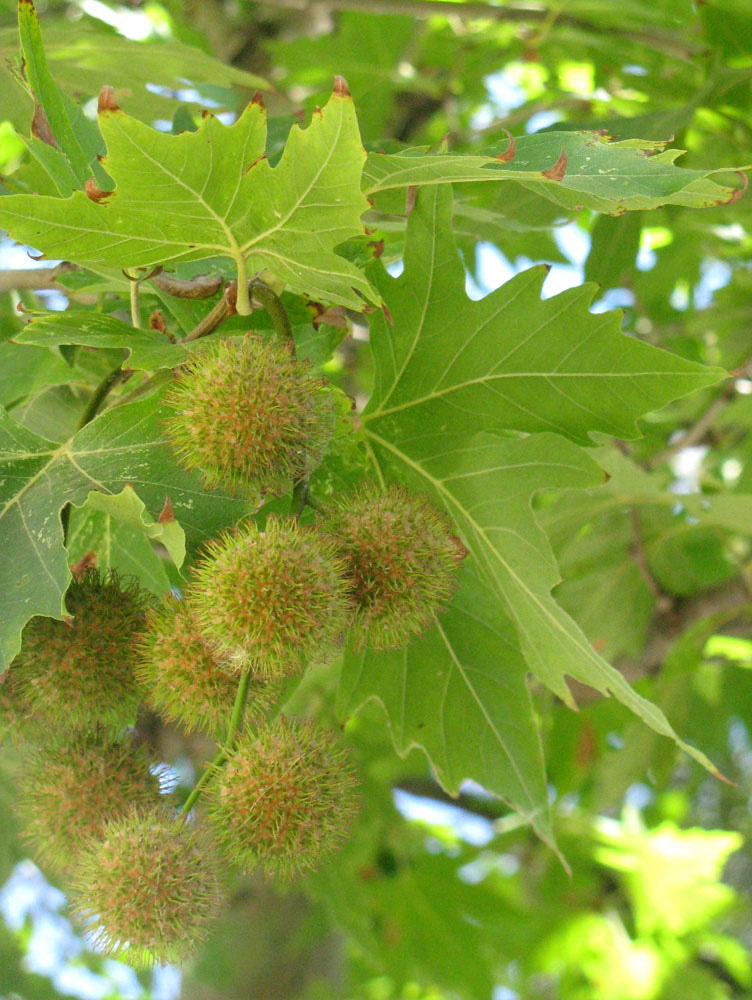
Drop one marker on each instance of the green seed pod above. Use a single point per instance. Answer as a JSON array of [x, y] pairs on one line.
[[274, 599], [285, 798], [249, 416], [186, 682], [401, 559], [18, 722], [69, 791], [79, 674], [147, 891]]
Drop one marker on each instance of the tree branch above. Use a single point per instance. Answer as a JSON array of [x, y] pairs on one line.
[[523, 14], [698, 430], [34, 278]]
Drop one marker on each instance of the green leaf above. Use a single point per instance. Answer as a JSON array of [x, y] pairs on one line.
[[463, 676], [148, 349], [116, 545], [212, 193], [128, 508], [587, 171], [26, 370], [82, 60], [124, 445], [511, 360], [436, 383], [57, 109]]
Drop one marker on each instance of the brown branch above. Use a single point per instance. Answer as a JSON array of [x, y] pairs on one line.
[[34, 278], [216, 315], [698, 430], [663, 601], [522, 14]]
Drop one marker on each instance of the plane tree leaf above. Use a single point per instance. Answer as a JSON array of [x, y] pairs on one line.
[[434, 411], [573, 169], [148, 349], [510, 361], [124, 445], [212, 193], [464, 675]]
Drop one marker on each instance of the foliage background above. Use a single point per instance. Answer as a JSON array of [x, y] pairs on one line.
[[437, 898]]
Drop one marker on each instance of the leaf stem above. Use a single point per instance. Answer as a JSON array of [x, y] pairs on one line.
[[135, 307], [232, 730], [243, 303]]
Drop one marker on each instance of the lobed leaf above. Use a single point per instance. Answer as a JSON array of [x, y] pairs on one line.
[[123, 446], [573, 169], [212, 193]]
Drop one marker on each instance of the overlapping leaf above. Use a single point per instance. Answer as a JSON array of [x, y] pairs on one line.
[[147, 349], [451, 370], [572, 169], [464, 676], [510, 361], [212, 193], [124, 445]]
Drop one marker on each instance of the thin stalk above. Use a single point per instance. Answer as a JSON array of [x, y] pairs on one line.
[[99, 395], [243, 303], [135, 307], [232, 730], [299, 497]]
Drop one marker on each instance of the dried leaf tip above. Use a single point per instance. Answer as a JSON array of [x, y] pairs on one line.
[[737, 193], [258, 98], [95, 193], [106, 101], [87, 562], [340, 87], [557, 171], [40, 127], [511, 151], [167, 515]]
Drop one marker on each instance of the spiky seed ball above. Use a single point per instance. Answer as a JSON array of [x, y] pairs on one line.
[[79, 674], [186, 681], [17, 720], [401, 559], [285, 798], [249, 416], [274, 598], [69, 790], [148, 889]]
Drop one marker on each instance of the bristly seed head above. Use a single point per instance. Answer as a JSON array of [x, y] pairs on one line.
[[285, 799], [185, 681], [249, 416], [70, 790], [147, 891], [273, 599], [401, 558], [79, 674]]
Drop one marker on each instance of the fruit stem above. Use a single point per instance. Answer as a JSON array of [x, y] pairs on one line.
[[272, 303], [299, 498], [97, 398], [232, 730]]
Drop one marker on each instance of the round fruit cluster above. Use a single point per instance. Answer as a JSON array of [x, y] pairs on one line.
[[261, 604]]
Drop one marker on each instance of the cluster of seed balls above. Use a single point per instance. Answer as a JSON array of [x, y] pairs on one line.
[[261, 604]]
